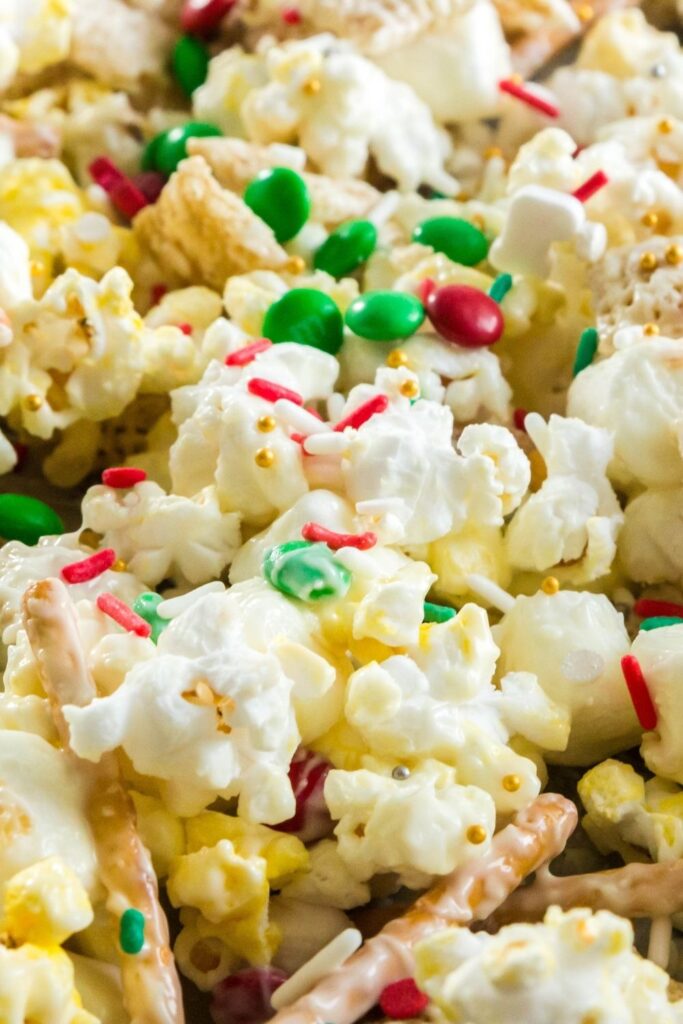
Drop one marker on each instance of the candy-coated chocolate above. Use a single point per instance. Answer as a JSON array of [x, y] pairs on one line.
[[279, 196], [308, 317], [27, 519], [385, 315], [456, 238], [465, 316], [190, 62], [166, 150], [201, 17], [346, 248]]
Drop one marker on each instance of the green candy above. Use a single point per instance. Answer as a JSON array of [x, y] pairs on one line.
[[385, 316], [437, 612], [346, 248], [132, 931], [190, 63], [308, 317], [456, 238], [27, 519], [166, 150], [146, 607], [307, 571], [659, 621], [279, 196], [586, 349]]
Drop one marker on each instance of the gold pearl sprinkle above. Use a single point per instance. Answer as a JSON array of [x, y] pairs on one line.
[[119, 566], [647, 261], [410, 389], [550, 585], [584, 12], [650, 330], [312, 87], [265, 424], [492, 152], [295, 265], [37, 268], [33, 402], [397, 357], [650, 219], [674, 254], [264, 458], [665, 126], [511, 783], [476, 834], [516, 78]]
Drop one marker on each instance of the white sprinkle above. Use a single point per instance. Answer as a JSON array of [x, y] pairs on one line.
[[331, 956], [385, 208], [326, 444], [582, 666], [335, 406], [175, 605], [490, 592], [299, 419], [659, 946]]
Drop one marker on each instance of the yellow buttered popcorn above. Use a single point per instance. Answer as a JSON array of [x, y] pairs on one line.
[[220, 882], [284, 855], [37, 985], [160, 831], [45, 903]]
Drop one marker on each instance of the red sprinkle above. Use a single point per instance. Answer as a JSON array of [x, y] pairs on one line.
[[639, 693], [185, 328], [316, 532], [646, 608], [577, 151], [313, 412], [157, 293], [530, 98], [518, 417], [291, 16], [89, 568], [201, 17], [263, 388], [122, 191], [590, 187], [150, 184], [425, 289], [105, 173], [299, 438], [123, 476], [403, 999], [363, 413], [119, 611], [247, 354]]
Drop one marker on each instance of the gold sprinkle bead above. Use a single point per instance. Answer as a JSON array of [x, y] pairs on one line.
[[584, 12], [295, 265], [550, 585], [648, 261], [476, 834], [492, 152], [511, 783], [33, 402], [37, 268], [265, 424], [312, 87], [650, 219], [674, 254], [665, 126], [410, 389], [397, 357], [264, 458], [650, 330], [517, 78], [119, 566]]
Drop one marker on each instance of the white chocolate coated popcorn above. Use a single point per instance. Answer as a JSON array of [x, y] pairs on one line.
[[650, 541], [574, 967], [660, 656], [15, 270], [38, 985]]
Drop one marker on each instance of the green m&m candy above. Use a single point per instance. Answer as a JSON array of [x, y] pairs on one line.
[[346, 248], [27, 519], [305, 570], [165, 151], [454, 237], [146, 607], [190, 62], [308, 317], [384, 316], [279, 196]]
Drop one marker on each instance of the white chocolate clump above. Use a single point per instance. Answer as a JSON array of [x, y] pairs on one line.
[[574, 967]]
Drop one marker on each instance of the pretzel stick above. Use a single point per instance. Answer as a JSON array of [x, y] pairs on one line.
[[470, 893], [150, 982], [637, 890]]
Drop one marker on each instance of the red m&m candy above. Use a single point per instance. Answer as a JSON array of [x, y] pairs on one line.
[[307, 774], [465, 315], [200, 17]]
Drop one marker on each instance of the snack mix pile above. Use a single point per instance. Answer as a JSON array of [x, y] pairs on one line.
[[354, 329]]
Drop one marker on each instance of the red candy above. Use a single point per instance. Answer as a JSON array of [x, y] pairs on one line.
[[307, 774], [119, 611], [425, 289], [150, 184], [244, 997], [89, 568], [291, 16], [122, 477], [272, 392], [122, 191], [200, 17], [402, 1000], [157, 293], [639, 693], [247, 354], [315, 532], [185, 328], [518, 417], [363, 413], [646, 608], [465, 316]]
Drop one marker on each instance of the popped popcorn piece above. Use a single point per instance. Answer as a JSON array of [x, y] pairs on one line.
[[329, 882], [575, 966], [118, 44], [473, 549], [15, 269], [161, 832], [416, 827], [45, 904], [91, 244], [37, 199], [571, 523], [659, 653], [247, 297], [573, 642], [650, 544], [201, 233], [8, 455], [35, 34], [509, 465], [220, 883], [38, 985], [636, 394], [161, 535], [624, 44], [628, 814]]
